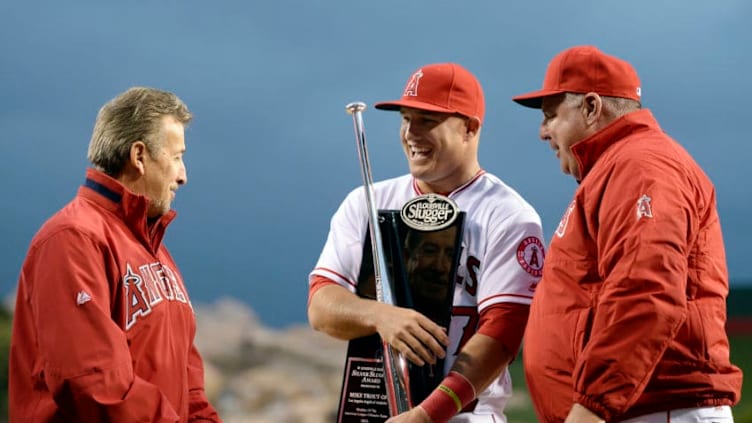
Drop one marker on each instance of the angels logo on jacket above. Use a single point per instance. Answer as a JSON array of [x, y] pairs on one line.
[[530, 255], [429, 212], [643, 207]]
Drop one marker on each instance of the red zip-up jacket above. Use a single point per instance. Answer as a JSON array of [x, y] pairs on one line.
[[103, 327], [629, 316]]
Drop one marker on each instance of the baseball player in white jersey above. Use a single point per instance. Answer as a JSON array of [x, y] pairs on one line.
[[442, 110]]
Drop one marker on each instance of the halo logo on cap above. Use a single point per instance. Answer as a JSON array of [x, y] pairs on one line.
[[411, 89], [429, 212]]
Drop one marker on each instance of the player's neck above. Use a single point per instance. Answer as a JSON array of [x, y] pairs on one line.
[[447, 185]]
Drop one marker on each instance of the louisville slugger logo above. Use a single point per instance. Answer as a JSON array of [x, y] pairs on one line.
[[429, 212]]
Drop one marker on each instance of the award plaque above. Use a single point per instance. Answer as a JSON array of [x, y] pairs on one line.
[[422, 244]]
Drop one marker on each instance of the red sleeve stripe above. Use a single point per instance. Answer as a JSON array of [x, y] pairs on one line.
[[317, 282], [493, 297], [333, 275]]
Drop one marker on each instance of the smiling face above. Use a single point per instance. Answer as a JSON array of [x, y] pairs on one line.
[[441, 148], [428, 263], [164, 170], [564, 124]]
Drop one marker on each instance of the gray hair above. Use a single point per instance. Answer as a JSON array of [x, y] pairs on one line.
[[135, 115]]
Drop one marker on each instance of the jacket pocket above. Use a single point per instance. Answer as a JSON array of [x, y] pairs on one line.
[[582, 328], [715, 346], [688, 348]]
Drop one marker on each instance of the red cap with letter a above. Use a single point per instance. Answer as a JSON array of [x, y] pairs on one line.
[[441, 87], [585, 69]]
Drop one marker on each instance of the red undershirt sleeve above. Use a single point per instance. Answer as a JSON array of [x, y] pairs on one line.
[[317, 282], [506, 323]]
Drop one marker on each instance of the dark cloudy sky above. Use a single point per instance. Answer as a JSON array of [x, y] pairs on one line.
[[271, 151]]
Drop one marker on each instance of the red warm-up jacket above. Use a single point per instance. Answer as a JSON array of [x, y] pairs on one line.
[[103, 327], [629, 316]]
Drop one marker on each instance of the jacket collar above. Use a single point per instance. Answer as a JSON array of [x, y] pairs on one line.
[[590, 149], [110, 194]]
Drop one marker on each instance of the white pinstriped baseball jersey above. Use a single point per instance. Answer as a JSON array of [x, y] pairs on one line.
[[501, 258]]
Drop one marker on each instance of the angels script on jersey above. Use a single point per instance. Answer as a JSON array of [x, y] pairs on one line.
[[467, 280], [152, 284], [470, 279]]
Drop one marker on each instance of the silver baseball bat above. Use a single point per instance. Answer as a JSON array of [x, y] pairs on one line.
[[395, 365]]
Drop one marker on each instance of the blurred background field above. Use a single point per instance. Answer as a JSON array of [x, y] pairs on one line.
[[260, 375]]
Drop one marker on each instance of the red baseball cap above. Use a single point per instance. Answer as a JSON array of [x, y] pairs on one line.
[[441, 87], [585, 69]]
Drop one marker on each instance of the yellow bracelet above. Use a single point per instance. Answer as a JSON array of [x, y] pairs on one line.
[[453, 395]]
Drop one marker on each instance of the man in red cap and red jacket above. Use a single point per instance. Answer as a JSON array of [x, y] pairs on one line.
[[627, 324]]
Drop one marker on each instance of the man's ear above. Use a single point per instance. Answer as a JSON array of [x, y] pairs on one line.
[[592, 107], [137, 156], [472, 125]]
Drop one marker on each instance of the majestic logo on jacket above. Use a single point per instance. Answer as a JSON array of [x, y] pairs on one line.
[[530, 255], [152, 284], [82, 298], [643, 207]]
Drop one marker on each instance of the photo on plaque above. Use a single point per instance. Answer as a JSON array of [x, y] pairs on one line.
[[422, 244]]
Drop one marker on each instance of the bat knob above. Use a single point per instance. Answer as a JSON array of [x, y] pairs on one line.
[[354, 107]]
